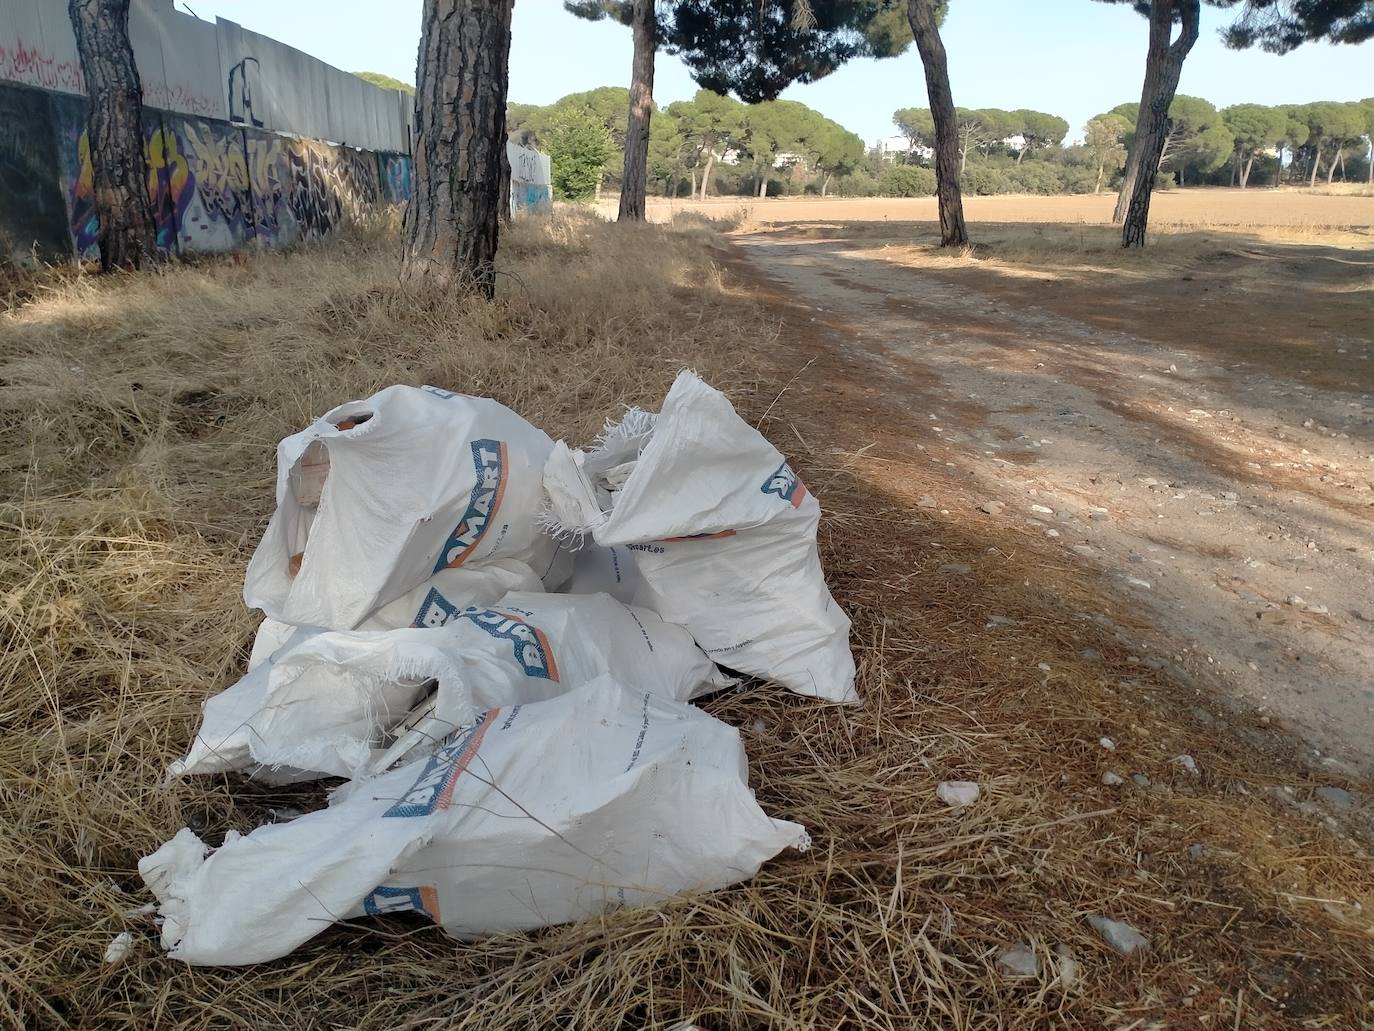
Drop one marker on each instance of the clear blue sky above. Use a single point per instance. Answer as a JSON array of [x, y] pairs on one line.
[[1074, 58]]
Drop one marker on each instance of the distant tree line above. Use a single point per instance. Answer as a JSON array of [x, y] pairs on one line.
[[713, 145]]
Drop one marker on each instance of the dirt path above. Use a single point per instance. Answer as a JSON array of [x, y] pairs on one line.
[[1233, 505]]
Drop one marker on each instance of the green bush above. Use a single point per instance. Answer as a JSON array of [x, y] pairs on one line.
[[579, 147], [1081, 180], [1035, 177], [984, 179], [907, 181], [856, 184]]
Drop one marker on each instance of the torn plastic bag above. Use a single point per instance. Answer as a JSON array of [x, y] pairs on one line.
[[537, 815], [599, 570], [723, 535], [478, 584], [329, 702], [378, 495]]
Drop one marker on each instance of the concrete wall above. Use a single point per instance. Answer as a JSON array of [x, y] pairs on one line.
[[248, 140], [214, 185], [211, 70], [531, 180]]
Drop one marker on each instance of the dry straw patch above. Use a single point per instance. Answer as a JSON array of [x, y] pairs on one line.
[[142, 415]]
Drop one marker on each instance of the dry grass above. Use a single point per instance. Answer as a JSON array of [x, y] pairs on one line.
[[142, 415], [1347, 209]]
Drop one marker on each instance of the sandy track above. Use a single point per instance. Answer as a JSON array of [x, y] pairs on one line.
[[1236, 510]]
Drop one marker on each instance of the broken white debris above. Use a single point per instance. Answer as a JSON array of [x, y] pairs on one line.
[[1187, 762], [1107, 743], [1068, 966], [1121, 936], [1018, 961], [957, 793], [119, 948]]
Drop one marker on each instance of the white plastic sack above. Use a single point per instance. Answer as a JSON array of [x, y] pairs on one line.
[[723, 535], [479, 584], [378, 495], [538, 815], [598, 570], [327, 702]]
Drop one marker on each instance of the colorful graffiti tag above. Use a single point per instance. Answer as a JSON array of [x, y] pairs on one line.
[[170, 188], [216, 186]]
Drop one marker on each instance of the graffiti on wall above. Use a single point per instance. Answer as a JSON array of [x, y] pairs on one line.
[[241, 79], [531, 188], [170, 188], [27, 63], [396, 177], [216, 186], [328, 185], [32, 213]]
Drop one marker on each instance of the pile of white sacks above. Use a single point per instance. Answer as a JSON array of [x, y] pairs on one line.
[[514, 757]]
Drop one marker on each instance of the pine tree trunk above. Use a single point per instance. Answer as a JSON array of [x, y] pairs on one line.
[[1330, 172], [1316, 163], [453, 223], [1163, 65], [1249, 164], [694, 183], [963, 160], [127, 233], [706, 175], [1235, 167], [1020, 154], [953, 232], [825, 184], [633, 182], [763, 184], [1101, 169]]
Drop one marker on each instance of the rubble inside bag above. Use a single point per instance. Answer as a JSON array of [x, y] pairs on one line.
[[538, 814], [378, 495], [328, 702], [722, 532]]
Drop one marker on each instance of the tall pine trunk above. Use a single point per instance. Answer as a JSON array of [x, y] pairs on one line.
[[1316, 163], [694, 183], [633, 182], [953, 232], [1249, 164], [1163, 65], [453, 223], [825, 184], [706, 174], [127, 233]]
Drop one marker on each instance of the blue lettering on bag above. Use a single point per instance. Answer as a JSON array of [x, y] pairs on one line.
[[433, 788], [532, 650], [489, 461], [434, 611], [383, 900], [786, 485]]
